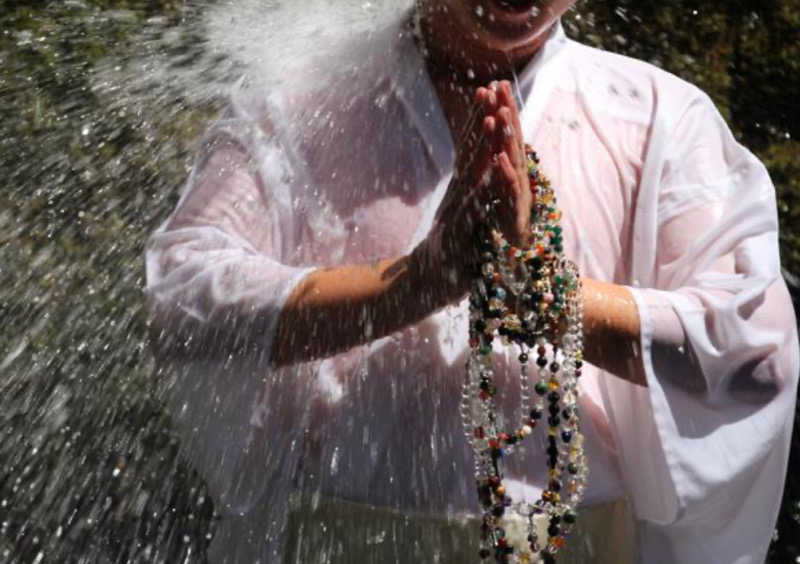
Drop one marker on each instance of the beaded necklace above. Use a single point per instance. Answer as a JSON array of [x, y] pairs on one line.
[[528, 297]]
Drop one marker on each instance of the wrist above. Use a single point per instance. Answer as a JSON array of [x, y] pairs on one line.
[[435, 281]]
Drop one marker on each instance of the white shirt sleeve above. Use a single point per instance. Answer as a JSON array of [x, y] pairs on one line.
[[217, 272], [705, 446]]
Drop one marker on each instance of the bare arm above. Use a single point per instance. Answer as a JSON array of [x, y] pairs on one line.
[[335, 309], [612, 330]]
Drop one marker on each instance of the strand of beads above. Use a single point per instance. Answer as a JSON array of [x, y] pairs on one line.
[[528, 297]]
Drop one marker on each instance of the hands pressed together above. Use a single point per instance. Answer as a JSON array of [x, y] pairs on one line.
[[490, 172]]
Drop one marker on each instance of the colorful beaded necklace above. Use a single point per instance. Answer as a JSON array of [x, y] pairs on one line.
[[528, 297]]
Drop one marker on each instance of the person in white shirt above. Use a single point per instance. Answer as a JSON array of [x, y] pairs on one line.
[[308, 297]]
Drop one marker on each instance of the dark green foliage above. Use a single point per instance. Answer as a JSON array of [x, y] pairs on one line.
[[89, 469]]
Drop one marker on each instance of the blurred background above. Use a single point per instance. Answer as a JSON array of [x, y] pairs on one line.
[[102, 103]]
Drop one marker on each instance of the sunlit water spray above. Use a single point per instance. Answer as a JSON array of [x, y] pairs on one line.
[[100, 113], [102, 110]]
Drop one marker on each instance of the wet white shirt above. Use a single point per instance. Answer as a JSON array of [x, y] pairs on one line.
[[656, 194]]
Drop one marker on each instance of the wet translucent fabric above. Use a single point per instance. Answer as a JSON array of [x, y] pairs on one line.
[[348, 167]]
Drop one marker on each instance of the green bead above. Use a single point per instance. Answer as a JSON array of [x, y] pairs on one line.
[[541, 388]]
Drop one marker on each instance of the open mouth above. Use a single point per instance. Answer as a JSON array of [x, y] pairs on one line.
[[508, 14], [515, 5]]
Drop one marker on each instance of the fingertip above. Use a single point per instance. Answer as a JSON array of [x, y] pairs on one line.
[[489, 125]]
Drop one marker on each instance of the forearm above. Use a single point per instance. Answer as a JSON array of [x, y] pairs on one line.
[[335, 309], [612, 330]]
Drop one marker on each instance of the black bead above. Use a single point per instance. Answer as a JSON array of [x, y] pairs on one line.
[[480, 325], [552, 451], [554, 397], [567, 413], [553, 409], [523, 358], [484, 553], [555, 486], [572, 468], [541, 362], [555, 520], [554, 421], [554, 367], [566, 436], [553, 530], [569, 517], [498, 510], [536, 414]]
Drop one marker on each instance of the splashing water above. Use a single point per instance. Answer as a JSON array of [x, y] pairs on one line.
[[101, 108]]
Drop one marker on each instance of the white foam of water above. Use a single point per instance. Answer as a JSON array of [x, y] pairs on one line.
[[276, 40]]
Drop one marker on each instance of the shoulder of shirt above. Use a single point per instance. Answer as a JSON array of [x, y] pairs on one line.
[[625, 87]]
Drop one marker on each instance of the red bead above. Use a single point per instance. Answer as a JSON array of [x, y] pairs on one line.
[[479, 434]]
